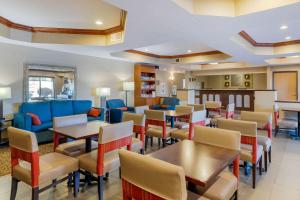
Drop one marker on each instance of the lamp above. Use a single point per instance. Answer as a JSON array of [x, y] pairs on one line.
[[5, 93], [103, 93], [128, 86]]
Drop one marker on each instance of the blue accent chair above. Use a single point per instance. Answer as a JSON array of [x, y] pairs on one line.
[[169, 103], [116, 107], [46, 111]]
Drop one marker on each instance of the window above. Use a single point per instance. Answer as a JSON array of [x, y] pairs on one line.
[[40, 88]]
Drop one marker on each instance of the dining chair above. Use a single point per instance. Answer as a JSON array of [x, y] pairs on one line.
[[229, 114], [213, 108], [183, 121], [226, 185], [34, 170], [144, 177], [156, 126], [198, 107], [138, 129], [106, 159], [197, 118], [251, 151], [264, 134], [70, 148], [284, 123]]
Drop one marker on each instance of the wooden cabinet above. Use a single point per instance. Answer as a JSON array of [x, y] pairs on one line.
[[144, 85]]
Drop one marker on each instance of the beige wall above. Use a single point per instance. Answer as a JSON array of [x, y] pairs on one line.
[[92, 72]]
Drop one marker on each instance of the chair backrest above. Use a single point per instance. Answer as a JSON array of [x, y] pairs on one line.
[[69, 120], [213, 104], [187, 109], [218, 137], [263, 120], [115, 103], [198, 107], [112, 137], [156, 115], [143, 176], [170, 101], [23, 146], [246, 128], [197, 118], [141, 109], [138, 123], [230, 110]]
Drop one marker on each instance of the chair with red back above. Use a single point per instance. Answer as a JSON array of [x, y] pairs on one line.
[[196, 118], [156, 126], [31, 168], [251, 151], [106, 159], [138, 129], [264, 133]]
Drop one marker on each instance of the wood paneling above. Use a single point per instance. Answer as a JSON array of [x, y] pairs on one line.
[[115, 29]]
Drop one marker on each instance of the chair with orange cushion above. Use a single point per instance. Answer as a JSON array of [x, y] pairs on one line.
[[106, 159], [144, 177], [226, 185], [138, 129], [72, 148], [251, 151], [27, 166], [156, 126], [197, 118], [264, 133]]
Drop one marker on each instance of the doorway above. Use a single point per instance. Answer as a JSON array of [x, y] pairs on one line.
[[286, 84]]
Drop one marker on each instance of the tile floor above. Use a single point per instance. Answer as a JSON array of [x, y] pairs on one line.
[[281, 182]]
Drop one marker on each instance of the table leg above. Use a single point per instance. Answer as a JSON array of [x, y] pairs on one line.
[[172, 122], [88, 145]]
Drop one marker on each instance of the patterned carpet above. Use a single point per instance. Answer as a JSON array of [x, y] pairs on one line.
[[5, 157]]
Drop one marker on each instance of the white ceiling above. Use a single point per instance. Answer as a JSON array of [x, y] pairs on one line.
[[175, 48], [148, 24], [61, 13]]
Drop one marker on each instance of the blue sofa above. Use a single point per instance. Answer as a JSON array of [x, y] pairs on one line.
[[116, 107], [46, 111], [168, 103]]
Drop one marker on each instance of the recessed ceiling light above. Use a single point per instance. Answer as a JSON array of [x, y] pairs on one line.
[[98, 22], [189, 51], [288, 37], [213, 63], [146, 50], [284, 27], [296, 56]]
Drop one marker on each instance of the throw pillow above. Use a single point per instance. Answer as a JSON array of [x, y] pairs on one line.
[[35, 119], [94, 112]]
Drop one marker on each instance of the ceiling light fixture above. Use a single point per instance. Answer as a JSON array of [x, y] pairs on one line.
[[98, 22], [288, 37], [296, 56], [189, 51], [284, 27], [213, 63], [146, 50]]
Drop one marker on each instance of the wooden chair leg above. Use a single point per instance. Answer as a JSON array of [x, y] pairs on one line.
[[246, 168], [70, 180], [276, 131], [100, 188], [146, 142], [260, 166], [14, 188], [151, 141], [142, 151], [54, 183], [253, 175], [235, 195], [76, 181], [158, 141], [35, 193], [270, 154], [164, 142], [136, 135], [266, 160]]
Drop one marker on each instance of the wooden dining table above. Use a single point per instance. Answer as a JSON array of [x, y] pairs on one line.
[[172, 114], [201, 163], [81, 131]]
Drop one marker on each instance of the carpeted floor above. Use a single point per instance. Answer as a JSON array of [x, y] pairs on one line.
[[5, 157]]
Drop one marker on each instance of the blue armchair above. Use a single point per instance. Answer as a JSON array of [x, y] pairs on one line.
[[168, 103], [46, 111], [116, 107]]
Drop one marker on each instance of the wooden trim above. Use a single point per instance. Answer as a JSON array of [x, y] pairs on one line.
[[249, 39], [173, 56], [287, 72], [112, 30], [278, 101]]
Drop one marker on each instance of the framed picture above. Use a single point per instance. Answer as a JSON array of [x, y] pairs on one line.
[[226, 84], [227, 77]]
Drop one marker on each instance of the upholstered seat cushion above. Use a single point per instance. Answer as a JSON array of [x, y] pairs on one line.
[[180, 134], [246, 152], [287, 123], [264, 141], [52, 166], [223, 188], [156, 131], [74, 148], [136, 145], [181, 125], [43, 126], [88, 161], [194, 196]]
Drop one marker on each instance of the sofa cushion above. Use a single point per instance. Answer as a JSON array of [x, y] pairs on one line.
[[81, 106], [93, 118], [61, 108], [115, 103], [41, 109], [42, 127]]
